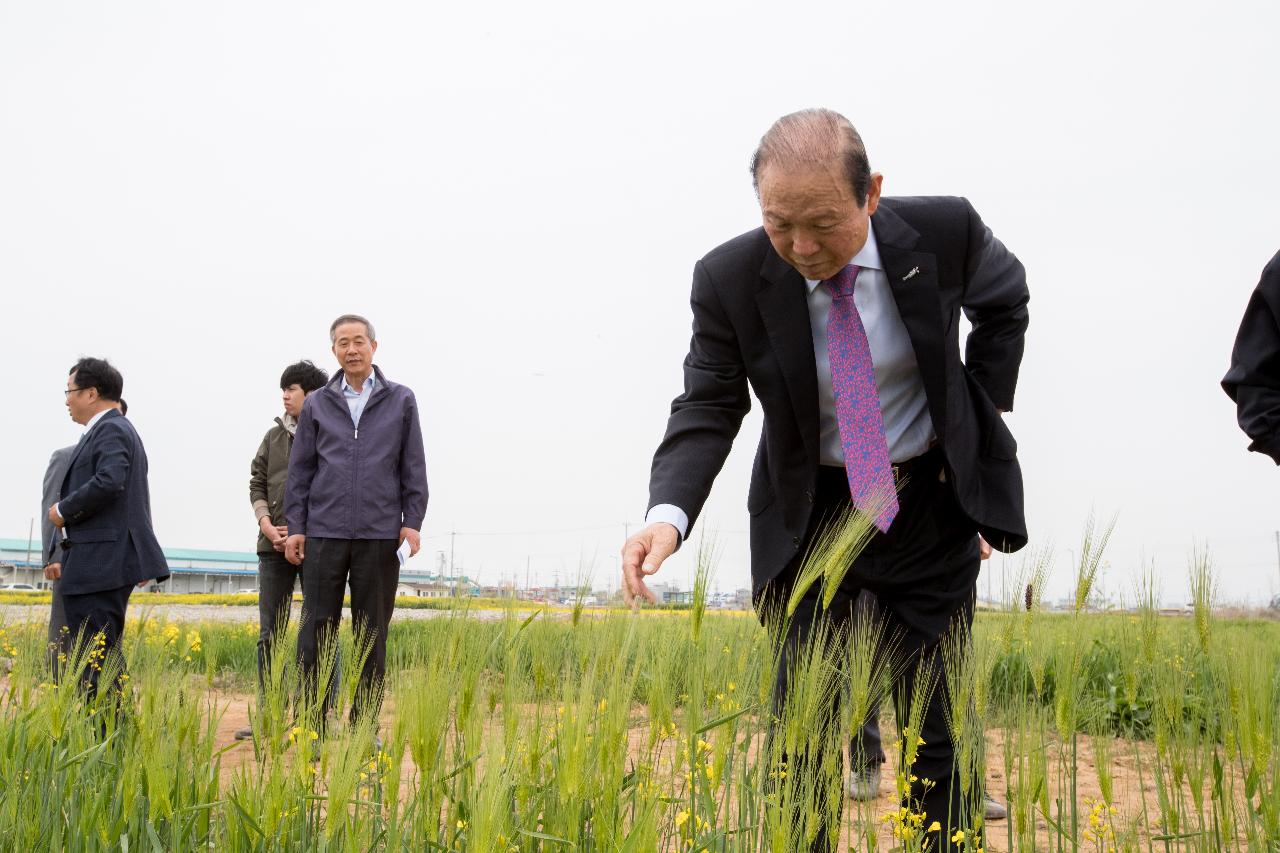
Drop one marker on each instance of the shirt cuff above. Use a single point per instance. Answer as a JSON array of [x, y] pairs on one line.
[[671, 514], [260, 509]]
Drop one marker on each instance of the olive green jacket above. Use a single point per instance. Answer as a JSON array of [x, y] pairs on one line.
[[268, 474]]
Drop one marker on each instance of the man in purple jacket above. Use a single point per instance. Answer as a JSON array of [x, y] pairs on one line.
[[357, 490]]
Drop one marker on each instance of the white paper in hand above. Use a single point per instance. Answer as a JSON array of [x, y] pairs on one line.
[[402, 553]]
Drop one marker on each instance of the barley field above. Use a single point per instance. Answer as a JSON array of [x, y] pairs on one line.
[[618, 731]]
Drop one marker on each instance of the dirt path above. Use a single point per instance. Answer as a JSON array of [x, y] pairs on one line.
[[1129, 792]]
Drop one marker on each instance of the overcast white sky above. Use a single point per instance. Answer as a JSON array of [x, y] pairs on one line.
[[516, 193]]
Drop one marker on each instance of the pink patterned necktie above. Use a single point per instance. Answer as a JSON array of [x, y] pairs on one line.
[[853, 379]]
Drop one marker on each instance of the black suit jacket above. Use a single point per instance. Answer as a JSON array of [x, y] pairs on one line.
[[1253, 380], [106, 506], [751, 331]]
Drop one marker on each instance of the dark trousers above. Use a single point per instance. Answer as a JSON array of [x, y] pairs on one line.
[[276, 579], [88, 615], [371, 568], [923, 572]]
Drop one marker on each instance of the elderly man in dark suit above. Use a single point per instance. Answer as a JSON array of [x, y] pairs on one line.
[[104, 508], [842, 314]]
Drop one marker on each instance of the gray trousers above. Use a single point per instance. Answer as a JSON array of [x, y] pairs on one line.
[[57, 615]]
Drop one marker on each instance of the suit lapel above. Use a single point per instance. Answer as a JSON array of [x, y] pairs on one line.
[[71, 463], [913, 279], [784, 308], [80, 446]]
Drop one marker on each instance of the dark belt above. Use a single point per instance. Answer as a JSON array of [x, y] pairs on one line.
[[907, 468]]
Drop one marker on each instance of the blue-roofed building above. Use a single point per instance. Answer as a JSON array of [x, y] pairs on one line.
[[190, 569]]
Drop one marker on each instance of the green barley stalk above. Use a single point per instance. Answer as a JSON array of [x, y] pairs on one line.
[[966, 669], [1092, 545], [703, 570], [1203, 594], [836, 545]]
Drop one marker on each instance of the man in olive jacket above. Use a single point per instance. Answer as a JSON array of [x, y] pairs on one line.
[[267, 476]]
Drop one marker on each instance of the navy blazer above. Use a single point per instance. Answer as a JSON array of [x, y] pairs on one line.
[[106, 505], [751, 332]]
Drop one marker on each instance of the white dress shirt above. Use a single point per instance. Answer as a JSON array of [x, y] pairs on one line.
[[908, 428], [356, 400]]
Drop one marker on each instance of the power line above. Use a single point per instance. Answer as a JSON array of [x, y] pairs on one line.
[[534, 532]]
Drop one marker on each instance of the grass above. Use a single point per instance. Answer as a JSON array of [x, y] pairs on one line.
[[641, 732], [42, 597]]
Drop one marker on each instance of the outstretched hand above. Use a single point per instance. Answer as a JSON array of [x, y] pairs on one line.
[[642, 555]]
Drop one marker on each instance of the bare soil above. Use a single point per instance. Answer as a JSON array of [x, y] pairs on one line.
[[1129, 791]]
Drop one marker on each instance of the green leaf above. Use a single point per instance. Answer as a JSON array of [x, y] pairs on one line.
[[156, 846], [248, 821], [99, 747], [542, 836], [720, 721]]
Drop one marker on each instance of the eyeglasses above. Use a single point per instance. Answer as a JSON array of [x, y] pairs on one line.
[[71, 391]]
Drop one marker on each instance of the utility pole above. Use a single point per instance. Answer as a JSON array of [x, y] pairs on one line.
[[31, 530], [452, 533]]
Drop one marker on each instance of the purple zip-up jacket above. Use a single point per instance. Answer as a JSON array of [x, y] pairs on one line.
[[346, 483]]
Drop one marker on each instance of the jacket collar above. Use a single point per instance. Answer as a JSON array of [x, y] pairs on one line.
[[381, 387], [782, 299], [382, 383], [913, 279], [288, 423], [84, 439]]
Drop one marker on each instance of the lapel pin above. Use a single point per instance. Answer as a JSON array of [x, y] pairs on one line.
[[915, 271]]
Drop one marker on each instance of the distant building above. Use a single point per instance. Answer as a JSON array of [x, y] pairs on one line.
[[423, 585], [192, 571], [739, 599]]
